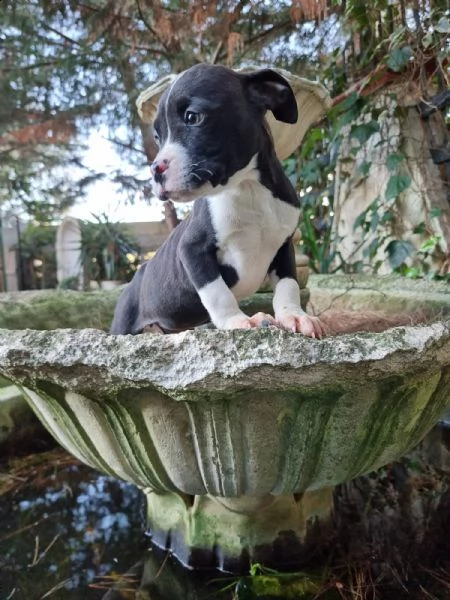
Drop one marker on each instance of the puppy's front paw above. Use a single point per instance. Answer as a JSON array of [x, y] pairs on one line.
[[241, 321], [262, 320], [297, 321]]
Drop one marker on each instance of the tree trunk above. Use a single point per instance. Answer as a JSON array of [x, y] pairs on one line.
[[170, 215], [420, 209]]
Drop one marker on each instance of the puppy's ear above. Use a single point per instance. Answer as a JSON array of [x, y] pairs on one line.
[[272, 91]]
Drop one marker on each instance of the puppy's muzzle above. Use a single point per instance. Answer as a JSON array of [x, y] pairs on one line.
[[158, 168]]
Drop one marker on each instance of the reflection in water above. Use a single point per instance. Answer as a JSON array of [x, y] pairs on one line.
[[159, 576], [66, 528], [70, 533]]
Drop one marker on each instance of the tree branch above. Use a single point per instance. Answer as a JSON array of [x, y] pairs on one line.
[[150, 27], [217, 52], [47, 63], [128, 146], [261, 36], [53, 30]]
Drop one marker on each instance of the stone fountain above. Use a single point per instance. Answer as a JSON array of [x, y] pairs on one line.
[[237, 438]]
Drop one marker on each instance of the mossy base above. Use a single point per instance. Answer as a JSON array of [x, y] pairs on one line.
[[231, 533]]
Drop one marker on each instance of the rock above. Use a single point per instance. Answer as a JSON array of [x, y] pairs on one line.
[[54, 309]]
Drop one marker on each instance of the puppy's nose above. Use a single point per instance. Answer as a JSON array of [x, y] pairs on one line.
[[158, 167]]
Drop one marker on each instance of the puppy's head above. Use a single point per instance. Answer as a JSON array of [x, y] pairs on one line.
[[210, 124]]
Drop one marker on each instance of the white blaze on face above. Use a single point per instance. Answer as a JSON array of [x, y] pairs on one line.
[[166, 107], [176, 176]]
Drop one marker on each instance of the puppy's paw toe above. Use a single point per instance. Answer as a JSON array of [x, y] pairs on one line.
[[261, 319], [302, 323], [238, 322], [243, 322]]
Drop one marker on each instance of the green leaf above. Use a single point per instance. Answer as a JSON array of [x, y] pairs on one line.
[[398, 251], [413, 273], [435, 213], [373, 247], [345, 119], [364, 168], [311, 172], [396, 185], [430, 244], [443, 25], [374, 222], [399, 58], [427, 40], [394, 160], [348, 102], [387, 217], [364, 131], [420, 228], [360, 220]]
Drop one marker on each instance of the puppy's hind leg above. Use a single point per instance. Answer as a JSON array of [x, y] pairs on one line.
[[153, 328]]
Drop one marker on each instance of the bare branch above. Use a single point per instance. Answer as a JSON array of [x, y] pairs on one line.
[[150, 27], [127, 146], [53, 30], [217, 52]]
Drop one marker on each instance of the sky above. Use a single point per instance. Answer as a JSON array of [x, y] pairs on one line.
[[103, 197]]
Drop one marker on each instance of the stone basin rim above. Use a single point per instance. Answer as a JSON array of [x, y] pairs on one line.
[[211, 359]]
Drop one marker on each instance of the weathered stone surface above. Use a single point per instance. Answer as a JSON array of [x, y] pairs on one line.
[[54, 309], [421, 210], [51, 309], [390, 294], [232, 413], [271, 528]]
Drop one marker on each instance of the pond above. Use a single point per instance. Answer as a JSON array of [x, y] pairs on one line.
[[71, 533], [64, 527]]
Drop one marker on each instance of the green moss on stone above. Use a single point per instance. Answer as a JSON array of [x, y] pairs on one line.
[[54, 309]]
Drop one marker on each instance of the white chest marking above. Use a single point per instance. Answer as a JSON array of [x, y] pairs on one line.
[[251, 225]]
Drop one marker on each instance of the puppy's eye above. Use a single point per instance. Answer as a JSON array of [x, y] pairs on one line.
[[156, 137], [193, 118]]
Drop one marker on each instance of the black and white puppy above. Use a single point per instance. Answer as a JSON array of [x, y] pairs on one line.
[[215, 147]]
